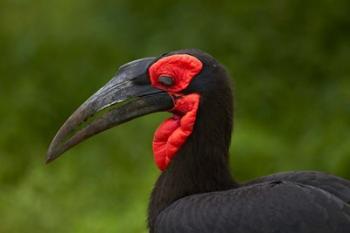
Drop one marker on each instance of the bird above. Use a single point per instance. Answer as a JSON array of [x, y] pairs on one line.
[[195, 191]]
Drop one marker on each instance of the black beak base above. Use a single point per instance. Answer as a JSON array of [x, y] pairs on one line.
[[126, 96]]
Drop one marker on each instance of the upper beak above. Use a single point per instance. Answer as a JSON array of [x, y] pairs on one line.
[[126, 96]]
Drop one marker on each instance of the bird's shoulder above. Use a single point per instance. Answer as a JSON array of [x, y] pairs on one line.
[[335, 185], [266, 206]]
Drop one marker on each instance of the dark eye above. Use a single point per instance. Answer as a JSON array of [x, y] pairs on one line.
[[166, 80]]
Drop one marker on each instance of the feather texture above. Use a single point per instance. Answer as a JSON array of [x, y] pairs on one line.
[[296, 202]]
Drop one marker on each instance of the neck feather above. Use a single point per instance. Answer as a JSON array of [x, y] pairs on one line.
[[201, 165]]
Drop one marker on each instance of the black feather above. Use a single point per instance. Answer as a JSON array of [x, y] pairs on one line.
[[197, 194]]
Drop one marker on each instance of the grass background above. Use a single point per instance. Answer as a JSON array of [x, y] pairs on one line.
[[289, 59]]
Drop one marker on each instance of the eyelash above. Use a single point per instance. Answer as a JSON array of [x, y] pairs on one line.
[[166, 80]]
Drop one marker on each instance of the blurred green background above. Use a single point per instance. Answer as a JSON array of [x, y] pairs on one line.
[[289, 59]]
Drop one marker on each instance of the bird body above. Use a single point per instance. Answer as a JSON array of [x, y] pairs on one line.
[[287, 202], [196, 193]]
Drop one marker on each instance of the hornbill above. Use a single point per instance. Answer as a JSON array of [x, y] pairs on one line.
[[195, 191]]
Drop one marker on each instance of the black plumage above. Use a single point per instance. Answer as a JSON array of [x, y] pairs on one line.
[[196, 192], [279, 203]]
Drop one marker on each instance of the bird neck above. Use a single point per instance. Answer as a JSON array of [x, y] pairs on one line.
[[201, 165]]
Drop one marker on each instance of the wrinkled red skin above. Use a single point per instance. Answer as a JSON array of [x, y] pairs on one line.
[[173, 132], [181, 67]]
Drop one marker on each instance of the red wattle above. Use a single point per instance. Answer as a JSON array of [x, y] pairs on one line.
[[173, 132]]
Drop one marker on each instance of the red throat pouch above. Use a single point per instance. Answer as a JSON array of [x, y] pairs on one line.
[[173, 132]]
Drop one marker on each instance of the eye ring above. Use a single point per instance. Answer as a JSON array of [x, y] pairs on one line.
[[166, 80]]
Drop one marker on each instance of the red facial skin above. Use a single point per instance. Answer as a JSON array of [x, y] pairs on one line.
[[173, 132]]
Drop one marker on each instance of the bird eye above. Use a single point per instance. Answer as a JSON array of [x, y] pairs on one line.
[[166, 80]]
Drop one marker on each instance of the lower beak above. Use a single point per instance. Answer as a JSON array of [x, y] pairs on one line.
[[127, 96]]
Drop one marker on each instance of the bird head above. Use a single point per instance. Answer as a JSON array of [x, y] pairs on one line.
[[179, 82]]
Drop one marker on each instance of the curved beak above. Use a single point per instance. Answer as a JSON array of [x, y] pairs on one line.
[[126, 96]]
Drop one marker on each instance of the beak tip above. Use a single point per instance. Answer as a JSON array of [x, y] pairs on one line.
[[49, 159], [52, 154]]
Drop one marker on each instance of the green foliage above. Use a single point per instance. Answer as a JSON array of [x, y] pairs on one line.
[[290, 62]]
